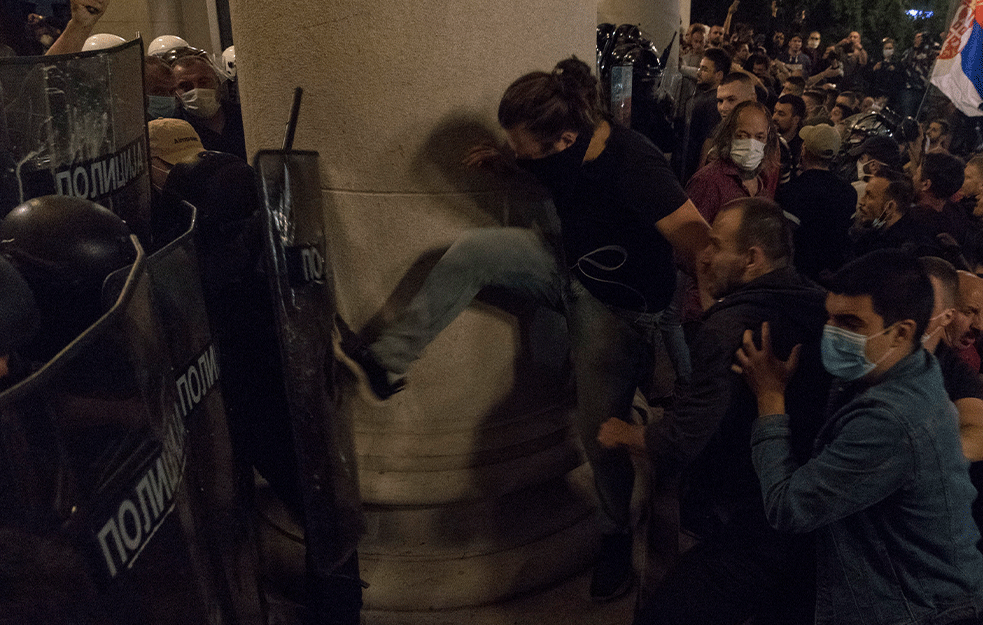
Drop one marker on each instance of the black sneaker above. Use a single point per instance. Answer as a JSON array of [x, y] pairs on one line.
[[613, 575], [354, 353]]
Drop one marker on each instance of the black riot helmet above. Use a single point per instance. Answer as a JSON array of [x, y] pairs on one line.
[[64, 247]]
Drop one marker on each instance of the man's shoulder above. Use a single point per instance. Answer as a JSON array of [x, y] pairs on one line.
[[781, 297]]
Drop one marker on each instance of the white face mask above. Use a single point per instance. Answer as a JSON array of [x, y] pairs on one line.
[[201, 103], [888, 53], [813, 43], [864, 171], [747, 153]]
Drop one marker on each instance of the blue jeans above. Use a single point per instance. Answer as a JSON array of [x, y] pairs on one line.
[[513, 258], [611, 348], [612, 354]]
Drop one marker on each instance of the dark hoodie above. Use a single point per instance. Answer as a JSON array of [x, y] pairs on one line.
[[706, 437]]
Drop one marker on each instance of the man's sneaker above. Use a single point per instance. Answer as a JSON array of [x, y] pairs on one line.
[[613, 574], [375, 382]]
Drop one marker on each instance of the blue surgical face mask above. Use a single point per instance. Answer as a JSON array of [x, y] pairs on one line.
[[161, 106], [845, 353]]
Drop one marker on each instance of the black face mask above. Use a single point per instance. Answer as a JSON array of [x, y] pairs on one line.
[[561, 167]]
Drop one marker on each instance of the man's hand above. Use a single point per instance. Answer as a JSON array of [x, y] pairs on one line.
[[85, 14], [88, 12], [616, 433], [765, 373], [733, 7]]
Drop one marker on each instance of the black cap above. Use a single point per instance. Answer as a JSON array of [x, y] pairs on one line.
[[881, 148]]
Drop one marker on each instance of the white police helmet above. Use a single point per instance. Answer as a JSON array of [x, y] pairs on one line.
[[101, 41], [229, 61], [164, 44]]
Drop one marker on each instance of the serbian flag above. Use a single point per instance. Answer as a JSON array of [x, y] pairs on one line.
[[958, 71]]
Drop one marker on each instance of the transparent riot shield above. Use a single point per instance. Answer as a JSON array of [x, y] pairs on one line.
[[302, 285], [222, 513], [75, 125], [97, 519]]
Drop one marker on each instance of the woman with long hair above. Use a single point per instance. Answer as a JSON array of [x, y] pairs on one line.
[[623, 217]]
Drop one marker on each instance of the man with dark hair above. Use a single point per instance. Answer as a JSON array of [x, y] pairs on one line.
[[815, 112], [821, 201], [796, 61], [935, 180], [736, 87], [741, 567], [794, 85], [886, 492], [702, 115], [883, 218], [788, 114]]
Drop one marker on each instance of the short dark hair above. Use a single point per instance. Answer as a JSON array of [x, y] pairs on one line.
[[852, 97], [946, 274], [720, 59], [947, 173], [896, 282], [798, 81], [898, 189], [740, 77], [764, 225], [550, 103], [816, 96], [756, 59], [797, 103]]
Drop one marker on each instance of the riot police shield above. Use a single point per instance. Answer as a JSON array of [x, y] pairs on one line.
[[98, 522], [302, 285], [75, 125], [217, 495]]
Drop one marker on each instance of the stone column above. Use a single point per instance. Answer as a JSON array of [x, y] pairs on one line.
[[472, 478]]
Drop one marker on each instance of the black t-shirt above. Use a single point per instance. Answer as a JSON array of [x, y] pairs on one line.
[[608, 210]]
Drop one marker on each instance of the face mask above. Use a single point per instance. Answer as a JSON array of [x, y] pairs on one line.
[[863, 171], [201, 103], [161, 106], [747, 153], [557, 169], [813, 43], [845, 353], [888, 53]]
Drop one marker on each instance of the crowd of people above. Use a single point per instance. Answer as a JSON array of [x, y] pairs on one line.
[[816, 280]]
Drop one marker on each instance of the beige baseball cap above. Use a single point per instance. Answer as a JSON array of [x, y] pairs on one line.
[[174, 140], [822, 140]]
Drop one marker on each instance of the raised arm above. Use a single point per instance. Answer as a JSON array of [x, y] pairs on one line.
[[85, 14]]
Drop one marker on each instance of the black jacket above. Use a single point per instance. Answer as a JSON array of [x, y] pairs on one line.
[[706, 437]]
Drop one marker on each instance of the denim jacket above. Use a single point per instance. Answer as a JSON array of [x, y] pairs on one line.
[[888, 493]]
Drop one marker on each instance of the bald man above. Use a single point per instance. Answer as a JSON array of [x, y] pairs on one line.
[[967, 325]]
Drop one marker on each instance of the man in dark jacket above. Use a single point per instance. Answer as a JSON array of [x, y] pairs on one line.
[[821, 201], [742, 567]]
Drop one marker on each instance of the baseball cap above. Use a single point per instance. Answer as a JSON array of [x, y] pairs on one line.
[[880, 148], [173, 140], [821, 140]]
